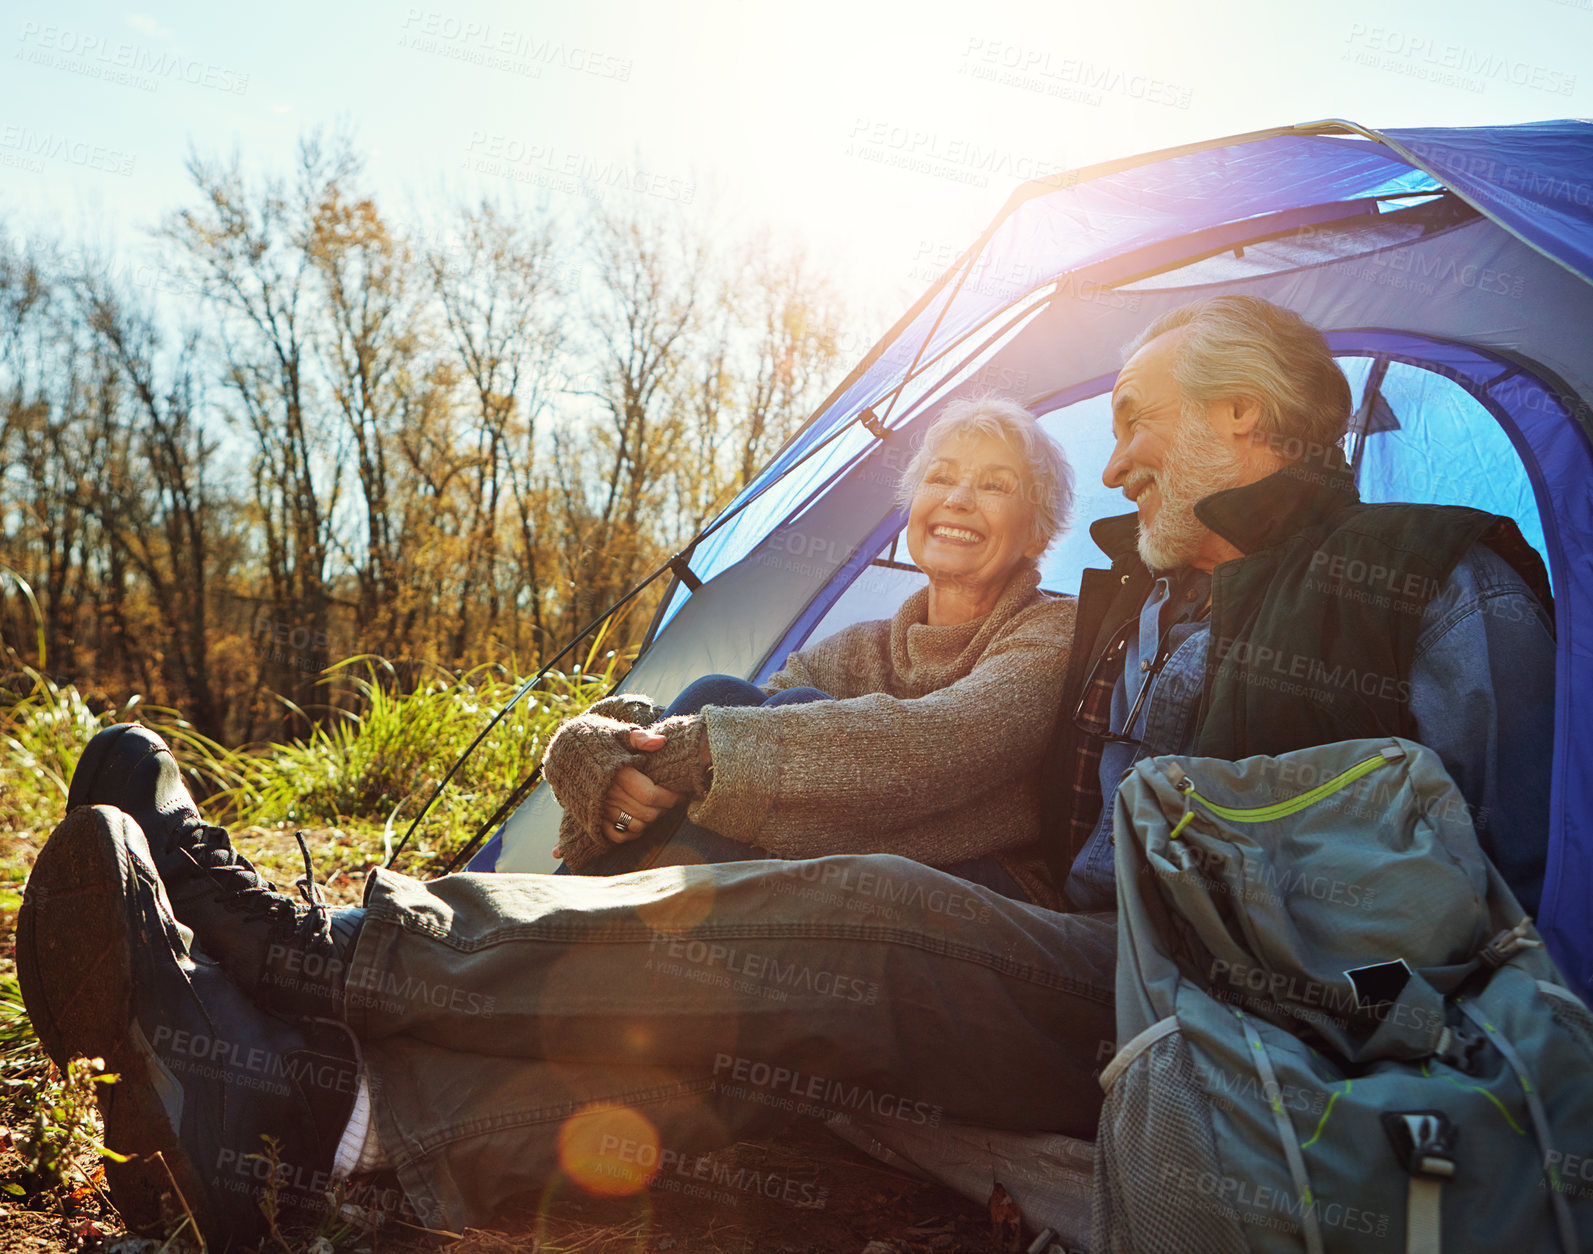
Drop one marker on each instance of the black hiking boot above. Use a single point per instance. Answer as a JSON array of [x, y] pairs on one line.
[[289, 954], [204, 1075]]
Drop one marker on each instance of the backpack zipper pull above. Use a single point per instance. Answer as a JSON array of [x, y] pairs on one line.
[[1508, 944], [1186, 786]]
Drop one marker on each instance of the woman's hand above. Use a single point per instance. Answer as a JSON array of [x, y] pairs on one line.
[[634, 803], [633, 799]]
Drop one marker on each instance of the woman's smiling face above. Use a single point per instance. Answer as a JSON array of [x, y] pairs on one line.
[[971, 521]]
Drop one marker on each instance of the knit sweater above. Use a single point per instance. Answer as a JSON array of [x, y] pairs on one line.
[[932, 750]]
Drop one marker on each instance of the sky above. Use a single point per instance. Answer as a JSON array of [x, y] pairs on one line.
[[880, 136]]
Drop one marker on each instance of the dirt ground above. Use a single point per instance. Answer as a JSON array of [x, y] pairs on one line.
[[854, 1205], [867, 1207]]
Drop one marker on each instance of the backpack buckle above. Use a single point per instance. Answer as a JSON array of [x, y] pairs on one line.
[[1424, 1141], [1508, 944]]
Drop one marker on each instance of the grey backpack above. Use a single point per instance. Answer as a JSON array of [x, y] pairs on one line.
[[1337, 1029]]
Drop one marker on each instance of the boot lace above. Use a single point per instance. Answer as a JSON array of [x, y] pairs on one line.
[[311, 891], [247, 891]]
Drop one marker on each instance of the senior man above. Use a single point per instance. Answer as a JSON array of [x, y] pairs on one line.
[[480, 1035], [1256, 605]]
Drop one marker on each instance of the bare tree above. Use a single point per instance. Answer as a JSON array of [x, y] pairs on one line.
[[50, 378], [246, 250], [765, 353], [448, 449], [792, 319], [158, 515], [370, 352], [499, 289], [613, 479]]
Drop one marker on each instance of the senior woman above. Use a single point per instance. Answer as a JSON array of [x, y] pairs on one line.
[[920, 735]]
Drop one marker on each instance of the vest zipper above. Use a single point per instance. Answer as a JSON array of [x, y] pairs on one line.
[[1282, 809]]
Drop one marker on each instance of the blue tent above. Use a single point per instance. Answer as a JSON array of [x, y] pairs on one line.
[[1451, 269]]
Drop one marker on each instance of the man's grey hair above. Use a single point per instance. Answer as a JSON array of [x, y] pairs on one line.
[[1050, 487], [1243, 347]]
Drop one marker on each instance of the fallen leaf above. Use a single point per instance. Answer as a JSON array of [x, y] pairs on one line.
[[1006, 1219]]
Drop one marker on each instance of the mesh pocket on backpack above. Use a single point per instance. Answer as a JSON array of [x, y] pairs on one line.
[[1153, 1150], [1574, 1018]]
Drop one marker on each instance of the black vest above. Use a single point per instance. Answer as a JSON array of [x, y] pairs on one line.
[[1312, 630]]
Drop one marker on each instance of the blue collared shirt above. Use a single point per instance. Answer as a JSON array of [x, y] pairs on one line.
[[1482, 696]]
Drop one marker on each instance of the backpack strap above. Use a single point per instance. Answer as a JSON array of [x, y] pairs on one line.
[[1125, 1057], [1424, 1142], [1270, 1088], [1540, 1121]]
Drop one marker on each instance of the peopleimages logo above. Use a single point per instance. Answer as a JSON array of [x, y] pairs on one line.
[[215, 1056], [674, 1171], [903, 892], [1301, 675], [1426, 56], [503, 48], [948, 157], [1066, 78], [1261, 1206], [1303, 997], [116, 61], [367, 986], [40, 146], [1261, 880], [784, 1088], [545, 165], [731, 961]]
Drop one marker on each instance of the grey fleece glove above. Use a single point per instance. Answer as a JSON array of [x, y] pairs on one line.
[[587, 753], [629, 707], [678, 766]]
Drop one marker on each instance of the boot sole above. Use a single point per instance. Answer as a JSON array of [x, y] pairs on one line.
[[74, 918]]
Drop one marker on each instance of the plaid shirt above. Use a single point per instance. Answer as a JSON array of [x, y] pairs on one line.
[[1188, 593], [1094, 716]]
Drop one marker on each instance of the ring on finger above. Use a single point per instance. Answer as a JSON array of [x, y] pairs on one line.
[[623, 822]]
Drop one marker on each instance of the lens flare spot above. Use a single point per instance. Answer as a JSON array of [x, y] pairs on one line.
[[608, 1149], [681, 900]]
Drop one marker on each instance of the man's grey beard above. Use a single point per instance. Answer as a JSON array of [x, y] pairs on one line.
[[1195, 465]]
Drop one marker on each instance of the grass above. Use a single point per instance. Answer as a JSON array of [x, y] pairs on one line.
[[20, 1052], [378, 762], [374, 761], [368, 768], [43, 728], [63, 1130]]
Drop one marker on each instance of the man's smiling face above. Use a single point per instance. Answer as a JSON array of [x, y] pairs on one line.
[[1167, 456], [1146, 410]]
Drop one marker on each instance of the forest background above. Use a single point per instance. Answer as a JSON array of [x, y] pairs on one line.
[[306, 430]]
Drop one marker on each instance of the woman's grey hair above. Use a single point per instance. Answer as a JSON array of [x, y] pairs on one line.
[[1245, 347], [1050, 487]]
